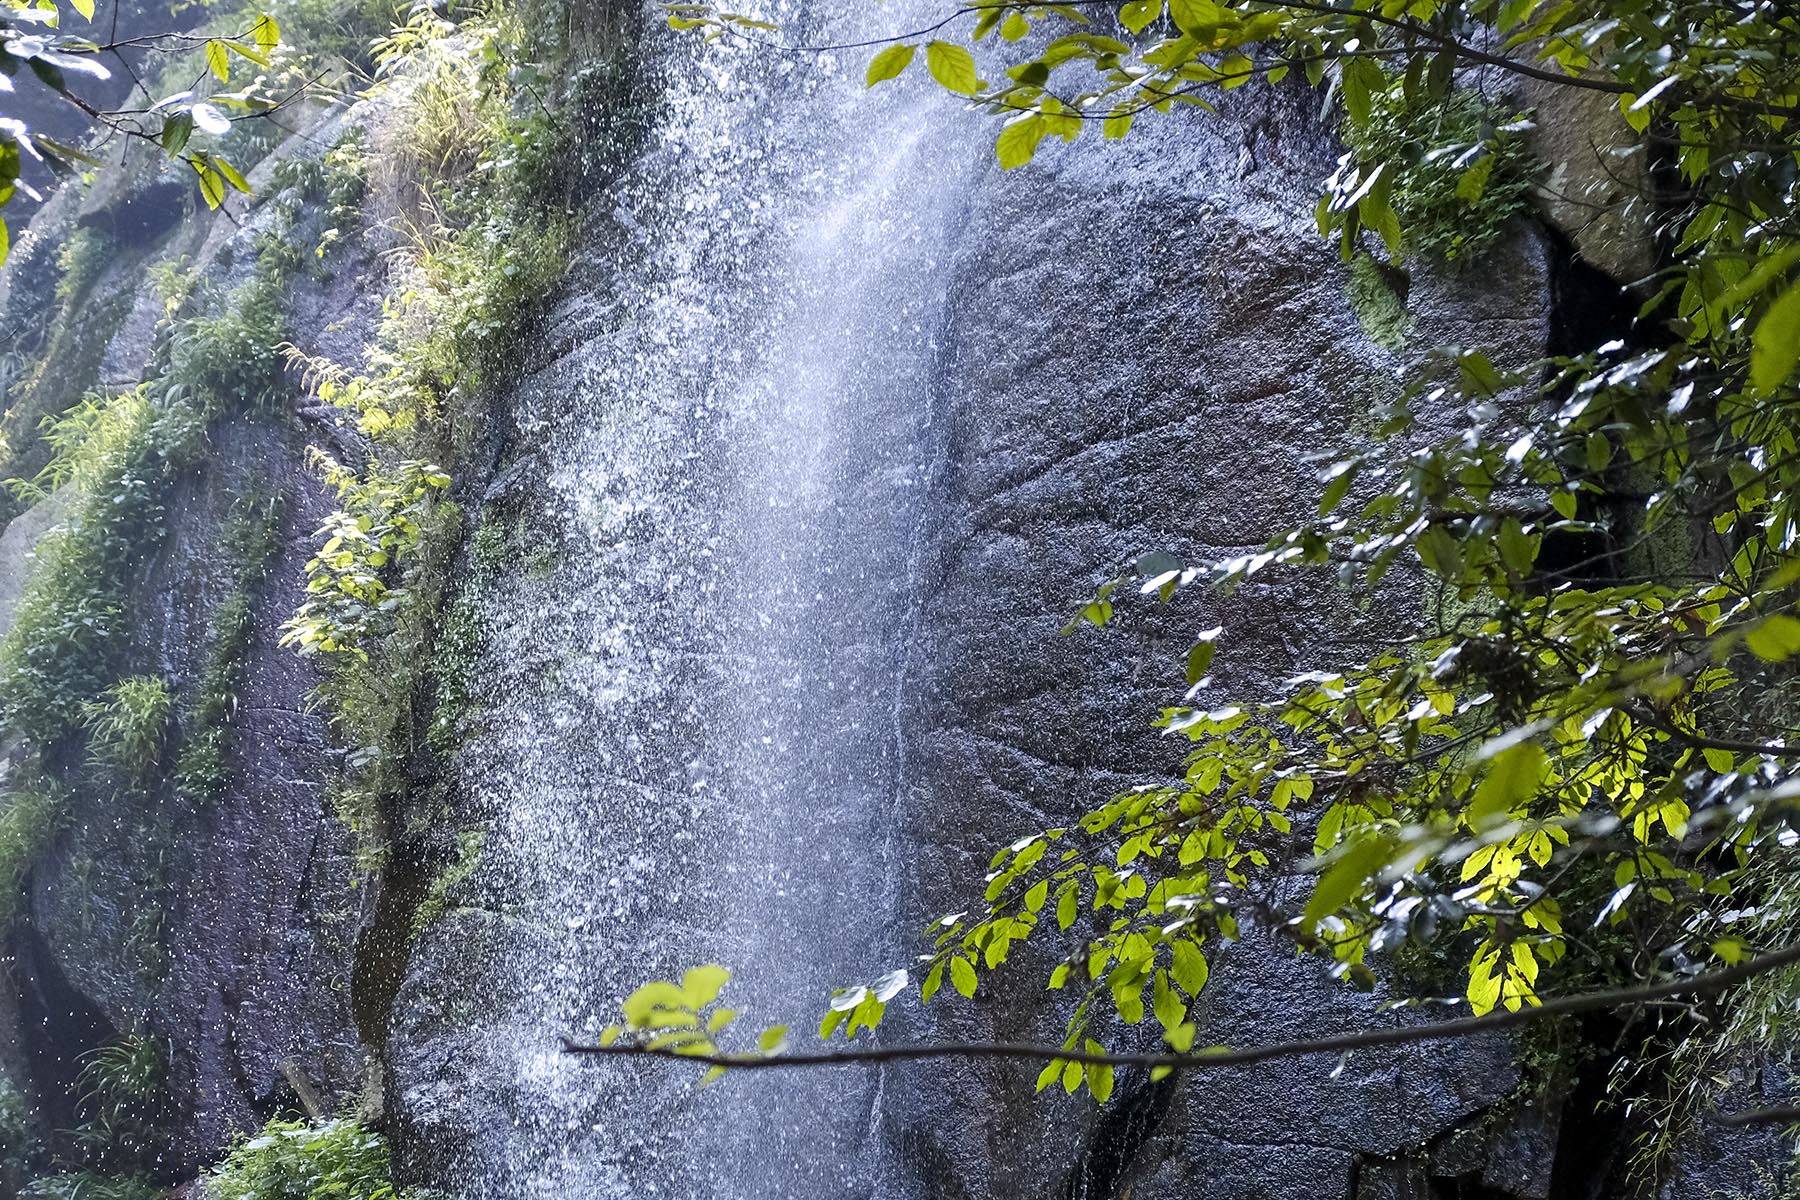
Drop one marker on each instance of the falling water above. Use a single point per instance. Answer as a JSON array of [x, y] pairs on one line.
[[692, 752]]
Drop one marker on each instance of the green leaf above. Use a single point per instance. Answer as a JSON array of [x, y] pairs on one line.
[[1071, 1076], [953, 67], [658, 994], [889, 63], [1346, 875], [1099, 1075], [1015, 26], [218, 61], [267, 32], [1474, 181], [1068, 904], [212, 184], [1168, 1008], [1721, 761], [85, 8], [1775, 347], [720, 1019], [1035, 897], [1775, 639], [177, 128], [1189, 966], [1137, 14], [1512, 780], [702, 984], [1359, 80], [253, 54], [934, 979], [1338, 486], [1195, 16], [230, 173], [1018, 141], [1048, 1075], [962, 977], [1599, 452], [1484, 986], [1479, 375], [772, 1038]]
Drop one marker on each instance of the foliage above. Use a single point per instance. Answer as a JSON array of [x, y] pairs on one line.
[[80, 260], [34, 47], [457, 171], [27, 824], [89, 1185], [1460, 164], [437, 897], [66, 634], [349, 603], [128, 726], [19, 1146], [293, 1160], [66, 661], [122, 1100], [1379, 307], [687, 1018], [67, 355], [249, 543], [1558, 772]]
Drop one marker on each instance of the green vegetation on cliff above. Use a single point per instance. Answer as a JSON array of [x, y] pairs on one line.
[[482, 176], [295, 1160]]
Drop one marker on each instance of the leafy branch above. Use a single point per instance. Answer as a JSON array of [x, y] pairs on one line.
[[671, 1021]]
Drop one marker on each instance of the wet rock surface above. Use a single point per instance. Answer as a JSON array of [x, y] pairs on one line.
[[1148, 371], [835, 430], [220, 926]]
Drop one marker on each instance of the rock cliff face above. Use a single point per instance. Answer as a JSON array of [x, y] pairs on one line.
[[833, 429], [860, 425], [223, 925]]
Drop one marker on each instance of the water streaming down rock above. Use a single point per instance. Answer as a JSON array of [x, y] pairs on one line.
[[693, 754], [843, 427], [838, 425]]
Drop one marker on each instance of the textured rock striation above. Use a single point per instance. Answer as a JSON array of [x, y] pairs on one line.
[[843, 425], [772, 543]]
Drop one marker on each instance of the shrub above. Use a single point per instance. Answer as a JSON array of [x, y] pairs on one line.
[[81, 260], [1461, 170], [293, 1160], [89, 1185], [27, 822], [122, 1101], [249, 542], [128, 726], [19, 1145]]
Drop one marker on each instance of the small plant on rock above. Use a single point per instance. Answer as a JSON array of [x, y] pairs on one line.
[[123, 1100], [295, 1160], [89, 1185], [129, 726], [1458, 168]]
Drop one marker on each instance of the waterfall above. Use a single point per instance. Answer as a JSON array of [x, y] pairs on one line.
[[691, 753]]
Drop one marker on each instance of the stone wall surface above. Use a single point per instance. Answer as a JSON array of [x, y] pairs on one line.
[[1130, 348], [834, 429], [222, 926]]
